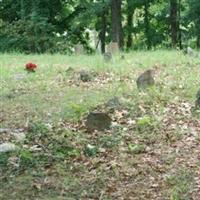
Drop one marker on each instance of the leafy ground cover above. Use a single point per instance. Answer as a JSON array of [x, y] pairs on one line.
[[152, 150]]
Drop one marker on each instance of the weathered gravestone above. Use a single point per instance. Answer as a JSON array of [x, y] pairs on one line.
[[145, 80], [85, 76], [107, 56], [191, 52], [98, 121]]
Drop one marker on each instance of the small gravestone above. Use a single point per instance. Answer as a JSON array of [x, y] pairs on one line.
[[98, 121], [107, 56], [7, 147], [5, 130], [69, 72], [145, 80], [19, 77], [191, 52], [85, 76], [197, 102]]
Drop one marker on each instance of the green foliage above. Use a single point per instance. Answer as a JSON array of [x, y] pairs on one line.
[[38, 128], [26, 159], [30, 37], [78, 110], [3, 160], [38, 26], [90, 150], [144, 124]]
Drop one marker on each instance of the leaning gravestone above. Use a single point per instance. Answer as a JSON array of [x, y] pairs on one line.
[[19, 77], [197, 102], [107, 56], [98, 121], [191, 52], [85, 76], [145, 80]]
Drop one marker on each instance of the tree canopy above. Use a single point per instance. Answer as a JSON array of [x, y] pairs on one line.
[[37, 26]]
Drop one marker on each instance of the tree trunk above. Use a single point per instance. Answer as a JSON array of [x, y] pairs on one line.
[[198, 38], [174, 22], [129, 27], [117, 33], [179, 22], [103, 32], [147, 26]]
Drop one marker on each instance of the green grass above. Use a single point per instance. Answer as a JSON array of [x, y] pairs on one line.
[[149, 126]]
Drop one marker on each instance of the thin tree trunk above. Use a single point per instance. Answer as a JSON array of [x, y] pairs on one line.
[[130, 27], [174, 22], [178, 25], [147, 26], [103, 32], [198, 37], [117, 33]]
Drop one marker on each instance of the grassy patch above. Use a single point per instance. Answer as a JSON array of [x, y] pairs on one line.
[[60, 160]]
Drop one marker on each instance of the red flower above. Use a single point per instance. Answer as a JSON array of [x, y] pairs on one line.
[[31, 67]]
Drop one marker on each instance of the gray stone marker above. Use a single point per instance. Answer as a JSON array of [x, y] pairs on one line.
[[145, 80], [98, 121], [191, 52], [85, 76], [107, 56]]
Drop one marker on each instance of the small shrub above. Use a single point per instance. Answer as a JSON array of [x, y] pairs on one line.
[[26, 159], [144, 124], [90, 150], [38, 127]]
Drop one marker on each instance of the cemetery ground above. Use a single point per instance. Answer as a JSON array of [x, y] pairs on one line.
[[150, 152]]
